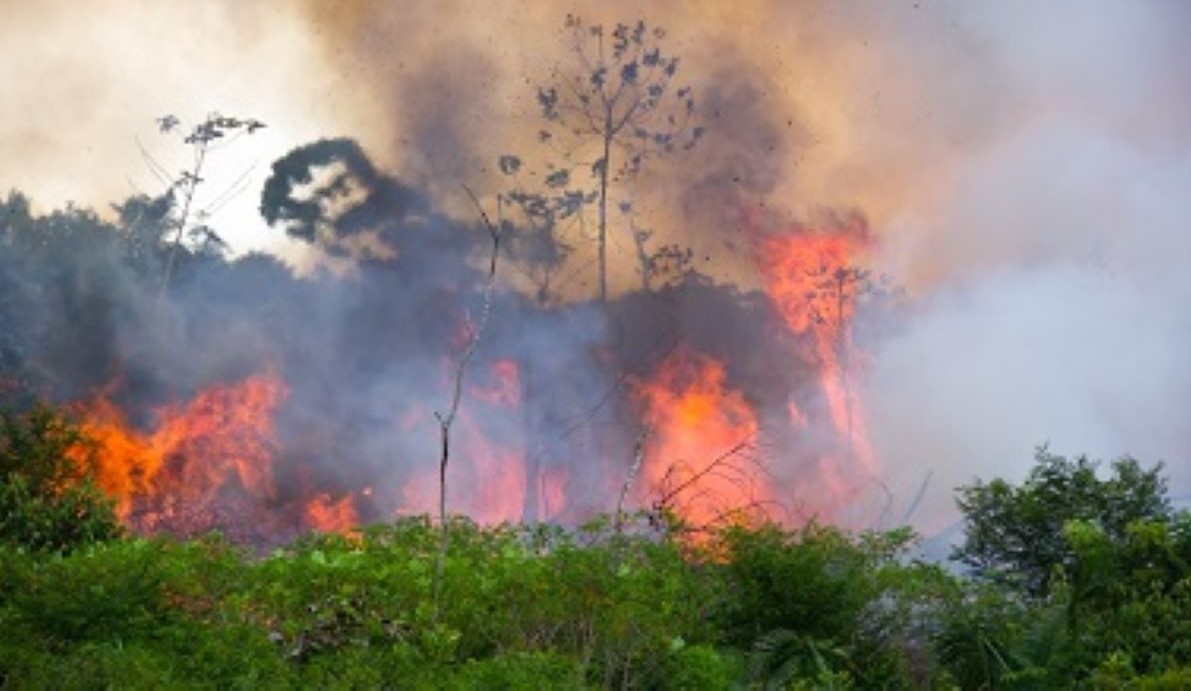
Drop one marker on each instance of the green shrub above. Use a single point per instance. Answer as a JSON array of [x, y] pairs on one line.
[[47, 500], [519, 672], [697, 668]]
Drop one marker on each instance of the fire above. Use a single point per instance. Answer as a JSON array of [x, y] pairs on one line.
[[494, 483], [552, 486], [491, 471], [700, 432], [486, 471], [503, 386], [331, 516], [127, 461], [813, 279], [171, 475], [209, 461]]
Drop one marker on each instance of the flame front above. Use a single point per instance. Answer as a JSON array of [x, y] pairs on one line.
[[700, 434], [812, 276], [327, 515], [486, 465], [171, 476], [210, 461]]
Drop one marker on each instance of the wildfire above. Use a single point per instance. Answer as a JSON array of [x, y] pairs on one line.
[[332, 515], [170, 476], [209, 461], [503, 385], [699, 434], [813, 279], [486, 469]]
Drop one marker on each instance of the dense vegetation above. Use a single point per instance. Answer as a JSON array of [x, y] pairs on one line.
[[1076, 576]]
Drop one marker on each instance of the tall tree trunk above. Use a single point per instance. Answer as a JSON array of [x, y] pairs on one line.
[[603, 241], [446, 420]]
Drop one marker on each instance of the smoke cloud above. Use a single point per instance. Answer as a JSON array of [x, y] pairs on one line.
[[1050, 277]]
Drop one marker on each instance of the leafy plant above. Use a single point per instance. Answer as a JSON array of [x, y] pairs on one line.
[[1015, 534], [47, 497]]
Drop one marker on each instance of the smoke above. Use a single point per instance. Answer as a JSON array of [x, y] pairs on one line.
[[1024, 166], [1049, 281]]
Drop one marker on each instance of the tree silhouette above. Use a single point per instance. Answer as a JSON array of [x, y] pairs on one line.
[[202, 139], [604, 116]]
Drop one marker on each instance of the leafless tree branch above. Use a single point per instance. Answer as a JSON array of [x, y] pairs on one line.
[[446, 421]]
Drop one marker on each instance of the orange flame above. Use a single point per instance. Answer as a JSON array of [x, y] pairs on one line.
[[486, 472], [699, 435], [332, 516], [812, 277], [222, 438]]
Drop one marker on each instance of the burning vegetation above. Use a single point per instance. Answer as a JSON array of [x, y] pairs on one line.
[[571, 362], [234, 395], [725, 436]]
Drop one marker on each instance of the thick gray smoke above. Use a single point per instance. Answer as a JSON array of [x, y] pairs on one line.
[[1054, 286]]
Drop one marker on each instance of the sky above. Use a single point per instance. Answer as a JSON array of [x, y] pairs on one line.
[[1025, 165]]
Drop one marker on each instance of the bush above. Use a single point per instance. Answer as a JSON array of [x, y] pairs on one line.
[[520, 672], [152, 608], [697, 668], [47, 499], [814, 582]]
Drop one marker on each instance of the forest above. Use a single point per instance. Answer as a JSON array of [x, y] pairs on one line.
[[529, 427]]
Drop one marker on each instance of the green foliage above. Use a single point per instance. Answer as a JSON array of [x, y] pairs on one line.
[[817, 603], [813, 583], [1101, 593], [607, 609], [519, 672], [584, 608], [523, 607], [1015, 534], [47, 500], [696, 667], [130, 613]]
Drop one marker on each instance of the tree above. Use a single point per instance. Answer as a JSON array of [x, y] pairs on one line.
[[833, 303], [445, 421], [602, 122], [202, 139], [1016, 535]]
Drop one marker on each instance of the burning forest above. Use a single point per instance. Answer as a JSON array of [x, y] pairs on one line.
[[266, 405], [681, 344]]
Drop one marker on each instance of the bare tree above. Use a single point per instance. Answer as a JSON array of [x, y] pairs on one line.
[[446, 420], [833, 303], [604, 116], [638, 461], [202, 139]]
